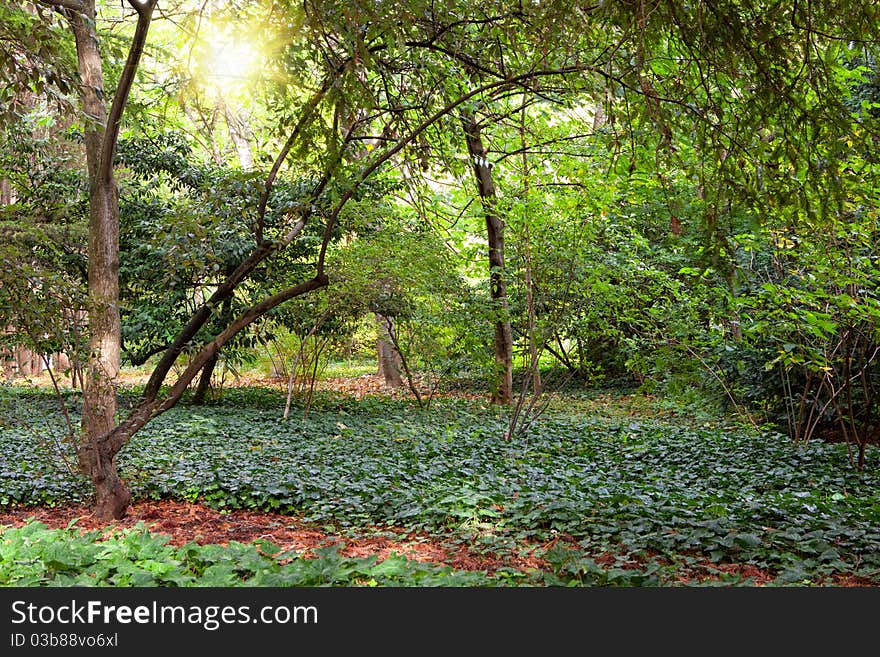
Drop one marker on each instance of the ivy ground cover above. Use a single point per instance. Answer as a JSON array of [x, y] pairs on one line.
[[613, 499]]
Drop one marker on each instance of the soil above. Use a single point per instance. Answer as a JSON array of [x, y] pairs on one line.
[[183, 523], [190, 522]]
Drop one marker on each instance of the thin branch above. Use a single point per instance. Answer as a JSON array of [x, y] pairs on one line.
[[389, 326], [742, 410], [299, 355], [533, 148], [427, 123], [71, 432]]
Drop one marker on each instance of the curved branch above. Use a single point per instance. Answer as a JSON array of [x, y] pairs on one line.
[[143, 6], [151, 408]]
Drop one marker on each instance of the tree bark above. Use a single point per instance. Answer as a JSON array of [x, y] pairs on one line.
[[99, 394], [208, 370], [389, 359], [97, 456], [205, 380], [502, 392]]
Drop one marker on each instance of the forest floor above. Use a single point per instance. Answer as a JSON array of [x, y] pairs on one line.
[[184, 522]]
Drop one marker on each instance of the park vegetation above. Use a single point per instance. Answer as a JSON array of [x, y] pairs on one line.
[[509, 210]]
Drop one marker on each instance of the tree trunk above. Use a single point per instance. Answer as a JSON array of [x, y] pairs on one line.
[[537, 385], [208, 370], [61, 362], [7, 360], [37, 364], [97, 454], [97, 459], [6, 194], [205, 380], [389, 359], [503, 388], [241, 135], [23, 361]]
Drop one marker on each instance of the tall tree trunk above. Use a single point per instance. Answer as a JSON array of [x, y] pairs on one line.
[[389, 358], [99, 394], [97, 454], [503, 388]]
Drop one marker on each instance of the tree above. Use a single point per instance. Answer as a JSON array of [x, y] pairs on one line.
[[101, 132], [502, 392], [274, 229]]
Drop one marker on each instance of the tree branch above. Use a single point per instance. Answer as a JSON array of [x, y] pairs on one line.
[[72, 5], [144, 10], [150, 408], [427, 123], [143, 6]]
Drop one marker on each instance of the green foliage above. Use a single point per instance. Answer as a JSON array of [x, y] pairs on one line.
[[185, 226], [617, 484], [28, 38], [34, 555], [399, 270], [811, 327], [42, 259], [696, 208]]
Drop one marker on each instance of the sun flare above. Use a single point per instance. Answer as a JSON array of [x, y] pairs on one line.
[[230, 63]]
